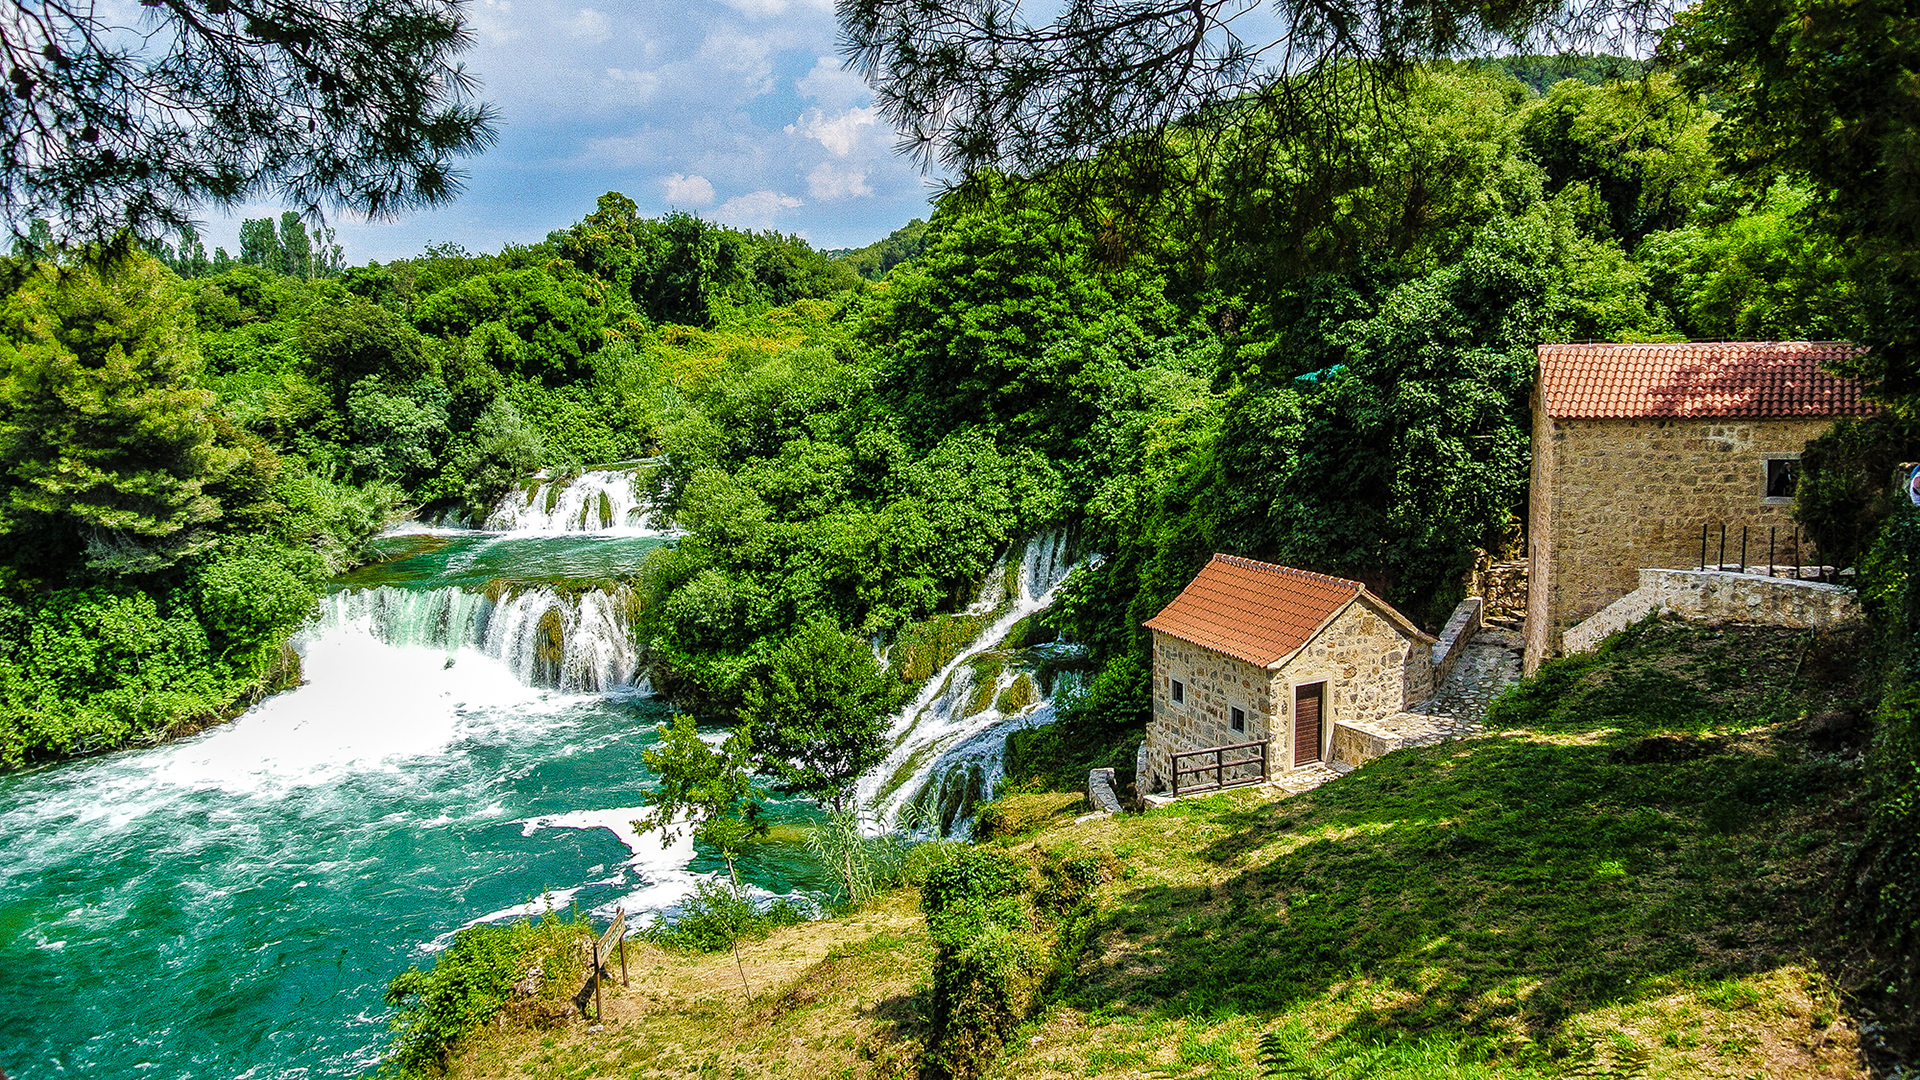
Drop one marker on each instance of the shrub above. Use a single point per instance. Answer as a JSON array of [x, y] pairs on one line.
[[716, 916], [975, 874], [471, 980]]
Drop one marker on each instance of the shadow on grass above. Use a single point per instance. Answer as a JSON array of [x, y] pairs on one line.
[[1637, 819]]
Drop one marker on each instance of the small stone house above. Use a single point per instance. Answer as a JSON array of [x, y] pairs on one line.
[[1251, 651], [1636, 448]]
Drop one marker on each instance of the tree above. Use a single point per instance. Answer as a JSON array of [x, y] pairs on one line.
[[260, 245], [709, 791], [120, 123], [348, 342], [107, 446], [1642, 147], [296, 247], [528, 321], [1122, 94], [1824, 89], [819, 714]]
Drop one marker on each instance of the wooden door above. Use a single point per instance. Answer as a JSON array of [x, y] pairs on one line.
[[1306, 722]]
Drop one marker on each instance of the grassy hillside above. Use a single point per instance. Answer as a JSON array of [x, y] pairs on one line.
[[1625, 877]]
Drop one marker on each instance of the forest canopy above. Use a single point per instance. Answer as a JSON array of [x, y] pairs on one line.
[[851, 439]]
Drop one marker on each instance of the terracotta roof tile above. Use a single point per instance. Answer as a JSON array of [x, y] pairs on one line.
[[1732, 379], [1253, 611]]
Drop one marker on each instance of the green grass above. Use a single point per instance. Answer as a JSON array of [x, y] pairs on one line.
[[1626, 877], [1623, 874]]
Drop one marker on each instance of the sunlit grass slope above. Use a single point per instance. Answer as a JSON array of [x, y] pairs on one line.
[[1623, 878]]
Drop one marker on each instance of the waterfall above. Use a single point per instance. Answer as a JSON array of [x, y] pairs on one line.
[[575, 642], [948, 744], [596, 501]]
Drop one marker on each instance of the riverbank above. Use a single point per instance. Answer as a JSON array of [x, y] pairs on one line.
[[1628, 875]]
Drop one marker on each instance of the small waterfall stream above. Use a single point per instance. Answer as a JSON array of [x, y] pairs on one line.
[[605, 501], [948, 745]]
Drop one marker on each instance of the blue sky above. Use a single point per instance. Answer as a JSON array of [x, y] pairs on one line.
[[737, 111]]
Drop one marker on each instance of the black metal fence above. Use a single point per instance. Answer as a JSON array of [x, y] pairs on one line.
[[1789, 552]]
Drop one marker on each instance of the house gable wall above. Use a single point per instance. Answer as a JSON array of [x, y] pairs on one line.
[[1612, 496]]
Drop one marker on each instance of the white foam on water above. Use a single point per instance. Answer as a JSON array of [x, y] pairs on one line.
[[366, 706], [648, 850]]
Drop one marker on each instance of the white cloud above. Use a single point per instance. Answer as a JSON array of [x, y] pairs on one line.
[[591, 26], [749, 56], [827, 182], [637, 85], [840, 134], [494, 21], [756, 210], [689, 190], [767, 9], [831, 84]]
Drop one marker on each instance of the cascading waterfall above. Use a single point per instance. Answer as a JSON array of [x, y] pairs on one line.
[[579, 643], [948, 745], [596, 501]]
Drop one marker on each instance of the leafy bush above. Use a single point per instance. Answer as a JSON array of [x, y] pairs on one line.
[[472, 979], [996, 962], [717, 915]]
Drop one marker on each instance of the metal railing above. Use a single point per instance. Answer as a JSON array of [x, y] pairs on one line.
[[1221, 765], [1793, 546]]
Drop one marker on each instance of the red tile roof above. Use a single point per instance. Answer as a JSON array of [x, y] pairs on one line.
[[1732, 379], [1255, 611]]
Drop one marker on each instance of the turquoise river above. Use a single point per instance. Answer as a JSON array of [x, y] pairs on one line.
[[466, 748], [233, 904]]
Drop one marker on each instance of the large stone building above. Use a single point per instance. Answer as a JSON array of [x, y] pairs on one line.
[[1253, 652], [1636, 448]]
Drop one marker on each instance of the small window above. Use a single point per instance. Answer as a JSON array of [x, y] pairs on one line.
[[1782, 475], [1179, 691], [1239, 720]]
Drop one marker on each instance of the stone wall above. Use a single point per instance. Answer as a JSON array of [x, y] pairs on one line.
[[1371, 670], [1503, 586], [1715, 597], [1611, 496], [1460, 628]]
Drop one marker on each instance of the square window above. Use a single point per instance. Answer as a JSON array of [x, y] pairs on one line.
[[1782, 475], [1239, 720], [1179, 690]]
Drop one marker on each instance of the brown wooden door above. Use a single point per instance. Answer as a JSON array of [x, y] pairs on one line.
[[1306, 723]]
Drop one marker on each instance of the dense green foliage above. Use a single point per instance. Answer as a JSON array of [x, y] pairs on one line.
[[1003, 938], [472, 979], [1342, 391]]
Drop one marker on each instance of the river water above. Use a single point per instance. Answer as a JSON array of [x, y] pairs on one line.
[[468, 739], [467, 747]]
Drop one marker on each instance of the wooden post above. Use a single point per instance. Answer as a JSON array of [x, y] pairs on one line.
[[598, 1013]]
